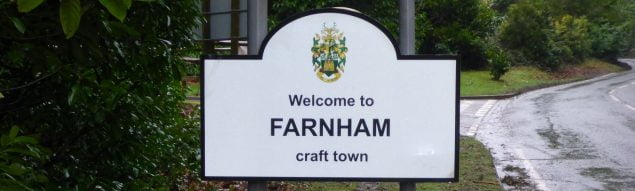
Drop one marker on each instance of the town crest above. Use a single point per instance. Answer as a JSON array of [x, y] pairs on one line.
[[329, 54]]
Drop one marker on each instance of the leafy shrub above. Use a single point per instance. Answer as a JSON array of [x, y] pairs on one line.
[[609, 40], [456, 27], [498, 62], [573, 35], [20, 159], [526, 33], [553, 32], [100, 82]]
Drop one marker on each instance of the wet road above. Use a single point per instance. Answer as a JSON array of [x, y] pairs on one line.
[[578, 136]]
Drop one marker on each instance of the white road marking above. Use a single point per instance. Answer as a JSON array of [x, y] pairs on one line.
[[614, 98], [465, 105], [480, 114], [532, 171]]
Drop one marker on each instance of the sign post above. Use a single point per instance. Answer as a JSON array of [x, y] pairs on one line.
[[407, 47], [329, 96]]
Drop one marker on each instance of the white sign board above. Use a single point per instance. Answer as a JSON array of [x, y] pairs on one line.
[[330, 98]]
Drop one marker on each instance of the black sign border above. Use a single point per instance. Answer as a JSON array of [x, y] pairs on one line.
[[399, 57]]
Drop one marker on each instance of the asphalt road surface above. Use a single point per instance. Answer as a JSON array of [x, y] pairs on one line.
[[578, 136]]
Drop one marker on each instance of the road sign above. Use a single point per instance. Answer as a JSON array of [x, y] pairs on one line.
[[329, 97]]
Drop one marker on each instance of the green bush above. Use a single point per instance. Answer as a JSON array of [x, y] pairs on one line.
[[498, 62], [525, 33], [100, 82], [609, 40], [573, 35], [456, 27], [551, 33], [20, 162]]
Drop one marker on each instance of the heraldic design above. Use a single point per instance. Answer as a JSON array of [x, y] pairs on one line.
[[329, 54]]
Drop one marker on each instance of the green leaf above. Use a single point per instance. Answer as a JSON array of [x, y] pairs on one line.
[[117, 8], [4, 140], [1, 95], [16, 169], [13, 132], [71, 96], [41, 178], [25, 139], [18, 25], [28, 5], [70, 16]]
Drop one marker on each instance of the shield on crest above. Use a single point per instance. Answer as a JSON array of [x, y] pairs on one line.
[[329, 54]]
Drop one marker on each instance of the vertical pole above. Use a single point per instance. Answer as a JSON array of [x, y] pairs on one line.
[[257, 13], [257, 186], [407, 186], [407, 27], [407, 47], [235, 28], [207, 44], [257, 30]]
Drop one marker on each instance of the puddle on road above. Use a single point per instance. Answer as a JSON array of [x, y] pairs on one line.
[[612, 179], [570, 145]]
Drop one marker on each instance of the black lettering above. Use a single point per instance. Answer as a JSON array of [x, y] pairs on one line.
[[328, 101], [291, 127], [308, 124], [381, 129], [361, 127], [340, 127], [274, 126], [297, 157], [326, 127], [295, 100]]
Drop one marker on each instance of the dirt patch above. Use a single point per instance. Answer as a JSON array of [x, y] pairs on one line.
[[517, 178], [590, 68]]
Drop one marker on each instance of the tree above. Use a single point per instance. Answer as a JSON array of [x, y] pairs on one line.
[[526, 33], [551, 33], [98, 82]]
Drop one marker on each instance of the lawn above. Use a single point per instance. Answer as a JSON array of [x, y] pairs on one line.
[[193, 89], [521, 78]]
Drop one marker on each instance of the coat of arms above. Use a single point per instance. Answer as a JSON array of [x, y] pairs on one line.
[[329, 54]]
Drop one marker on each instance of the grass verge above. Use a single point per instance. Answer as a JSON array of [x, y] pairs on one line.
[[519, 78], [476, 171]]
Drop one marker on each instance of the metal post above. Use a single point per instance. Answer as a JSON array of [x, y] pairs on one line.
[[256, 186], [257, 30], [407, 47], [257, 14], [407, 27], [407, 186], [235, 28], [207, 45]]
